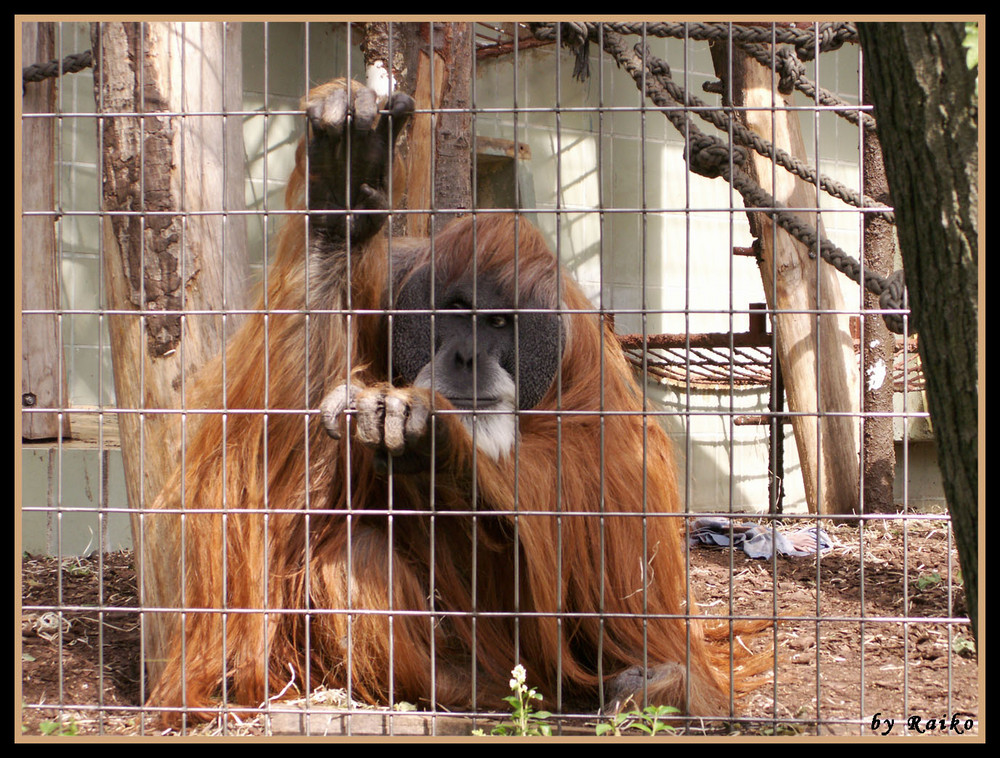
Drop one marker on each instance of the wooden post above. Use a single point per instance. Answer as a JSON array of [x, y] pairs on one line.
[[43, 380], [817, 357], [438, 168], [453, 136], [877, 342], [162, 257]]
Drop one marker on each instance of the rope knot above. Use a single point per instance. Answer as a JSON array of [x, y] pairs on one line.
[[574, 32], [709, 156], [790, 69], [576, 36], [831, 37]]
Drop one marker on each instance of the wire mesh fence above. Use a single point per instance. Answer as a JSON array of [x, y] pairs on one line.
[[386, 408]]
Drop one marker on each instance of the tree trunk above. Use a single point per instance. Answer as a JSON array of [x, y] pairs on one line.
[[926, 105], [162, 257]]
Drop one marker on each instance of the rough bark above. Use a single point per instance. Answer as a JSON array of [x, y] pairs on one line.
[[169, 247], [438, 166], [877, 342], [453, 139], [926, 106]]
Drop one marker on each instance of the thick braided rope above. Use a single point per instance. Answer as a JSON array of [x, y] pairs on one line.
[[710, 157], [831, 35], [751, 139], [69, 65]]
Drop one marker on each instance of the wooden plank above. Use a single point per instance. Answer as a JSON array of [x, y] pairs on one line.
[[43, 378]]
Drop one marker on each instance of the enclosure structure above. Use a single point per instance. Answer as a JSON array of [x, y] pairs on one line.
[[589, 133]]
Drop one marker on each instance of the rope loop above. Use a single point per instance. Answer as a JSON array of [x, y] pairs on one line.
[[893, 297]]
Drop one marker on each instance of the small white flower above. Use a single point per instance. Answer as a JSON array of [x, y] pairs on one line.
[[519, 675]]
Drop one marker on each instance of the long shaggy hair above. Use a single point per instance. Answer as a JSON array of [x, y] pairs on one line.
[[565, 557]]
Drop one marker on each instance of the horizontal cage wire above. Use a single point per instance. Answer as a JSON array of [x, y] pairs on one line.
[[510, 395]]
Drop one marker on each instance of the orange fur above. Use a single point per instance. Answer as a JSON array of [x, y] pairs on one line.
[[572, 565]]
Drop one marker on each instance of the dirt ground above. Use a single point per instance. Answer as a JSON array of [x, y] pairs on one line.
[[834, 676]]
